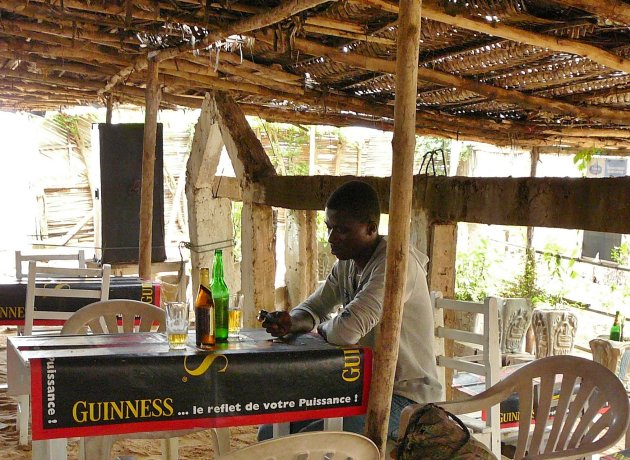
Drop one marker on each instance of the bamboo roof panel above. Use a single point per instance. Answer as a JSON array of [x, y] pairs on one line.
[[491, 70]]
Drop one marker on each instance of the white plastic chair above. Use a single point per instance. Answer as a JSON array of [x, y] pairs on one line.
[[20, 258], [135, 316], [486, 363], [567, 394], [317, 445]]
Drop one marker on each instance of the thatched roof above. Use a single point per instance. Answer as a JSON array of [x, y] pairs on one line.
[[509, 72]]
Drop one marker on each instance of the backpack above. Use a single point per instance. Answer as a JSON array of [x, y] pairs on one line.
[[433, 433]]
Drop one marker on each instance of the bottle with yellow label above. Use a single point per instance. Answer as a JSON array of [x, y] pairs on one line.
[[204, 312]]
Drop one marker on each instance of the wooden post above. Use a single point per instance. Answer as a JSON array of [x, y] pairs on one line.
[[299, 254], [439, 242], [109, 109], [443, 245], [258, 265], [148, 166], [403, 144], [530, 258]]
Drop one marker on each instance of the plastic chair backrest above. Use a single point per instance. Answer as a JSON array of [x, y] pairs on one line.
[[78, 256], [487, 363], [115, 316], [101, 275], [317, 445], [580, 407]]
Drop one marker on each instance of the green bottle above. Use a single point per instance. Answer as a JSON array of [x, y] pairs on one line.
[[221, 296], [615, 330]]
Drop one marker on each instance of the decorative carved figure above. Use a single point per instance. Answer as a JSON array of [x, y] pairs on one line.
[[555, 332], [518, 316]]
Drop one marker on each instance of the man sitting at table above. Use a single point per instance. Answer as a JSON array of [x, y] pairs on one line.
[[356, 283]]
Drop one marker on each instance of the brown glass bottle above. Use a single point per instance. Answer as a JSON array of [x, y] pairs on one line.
[[204, 312]]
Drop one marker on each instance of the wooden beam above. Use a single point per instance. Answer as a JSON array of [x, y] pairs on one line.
[[585, 202], [497, 29], [446, 79], [249, 159], [403, 145], [148, 168], [267, 18]]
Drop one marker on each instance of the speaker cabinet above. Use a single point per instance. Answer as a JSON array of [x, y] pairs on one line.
[[121, 181]]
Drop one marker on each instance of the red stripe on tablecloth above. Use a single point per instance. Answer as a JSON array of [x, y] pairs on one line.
[[37, 417]]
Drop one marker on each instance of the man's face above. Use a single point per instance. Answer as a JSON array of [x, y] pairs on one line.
[[349, 238]]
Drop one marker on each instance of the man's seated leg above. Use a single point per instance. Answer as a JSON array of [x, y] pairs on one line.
[[357, 424]]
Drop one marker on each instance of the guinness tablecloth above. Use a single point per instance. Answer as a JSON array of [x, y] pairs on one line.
[[101, 385]]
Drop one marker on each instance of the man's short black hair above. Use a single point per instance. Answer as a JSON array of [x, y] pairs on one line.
[[358, 199]]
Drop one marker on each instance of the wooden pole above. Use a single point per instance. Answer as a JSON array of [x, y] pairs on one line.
[[530, 340], [108, 113], [148, 166], [403, 144]]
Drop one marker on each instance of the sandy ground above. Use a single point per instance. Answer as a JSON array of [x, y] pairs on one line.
[[193, 446]]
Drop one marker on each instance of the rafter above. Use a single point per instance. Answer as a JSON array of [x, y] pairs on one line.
[[615, 10], [516, 34], [442, 78], [279, 13]]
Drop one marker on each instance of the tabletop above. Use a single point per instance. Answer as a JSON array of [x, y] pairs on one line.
[[110, 384]]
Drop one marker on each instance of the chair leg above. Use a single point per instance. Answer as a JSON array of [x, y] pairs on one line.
[[221, 438], [170, 447], [23, 411], [97, 447]]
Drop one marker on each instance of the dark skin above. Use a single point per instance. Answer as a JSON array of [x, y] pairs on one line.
[[349, 239]]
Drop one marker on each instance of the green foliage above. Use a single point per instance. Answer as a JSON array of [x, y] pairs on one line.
[[525, 285], [558, 266], [286, 146], [584, 157], [471, 273], [619, 254], [322, 231]]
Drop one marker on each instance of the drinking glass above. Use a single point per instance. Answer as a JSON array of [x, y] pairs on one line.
[[235, 312], [177, 320]]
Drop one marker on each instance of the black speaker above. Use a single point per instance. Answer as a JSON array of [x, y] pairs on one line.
[[121, 180]]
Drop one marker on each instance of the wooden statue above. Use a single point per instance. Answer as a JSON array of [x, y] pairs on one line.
[[555, 332]]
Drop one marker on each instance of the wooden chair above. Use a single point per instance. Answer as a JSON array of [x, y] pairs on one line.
[[135, 316], [317, 445], [580, 407], [35, 271], [486, 362], [20, 258]]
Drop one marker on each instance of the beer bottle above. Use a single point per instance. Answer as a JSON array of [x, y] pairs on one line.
[[204, 312], [615, 330], [221, 296]]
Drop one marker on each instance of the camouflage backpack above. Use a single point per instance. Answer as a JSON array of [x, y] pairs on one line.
[[433, 433]]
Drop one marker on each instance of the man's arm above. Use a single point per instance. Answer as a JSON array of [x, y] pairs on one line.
[[279, 323]]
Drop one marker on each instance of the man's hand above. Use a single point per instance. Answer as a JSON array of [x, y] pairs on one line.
[[277, 323]]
